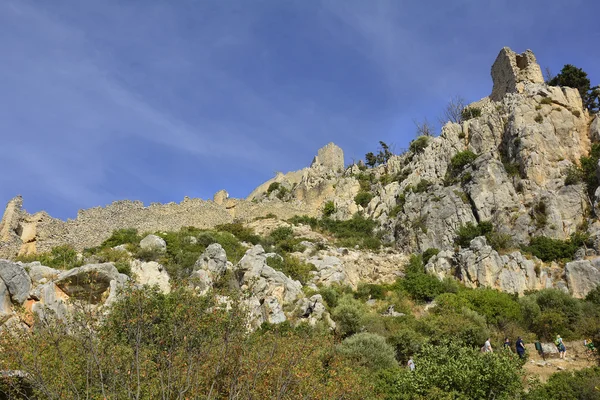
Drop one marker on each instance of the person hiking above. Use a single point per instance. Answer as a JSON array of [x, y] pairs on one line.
[[562, 350], [411, 364], [520, 347], [506, 344], [487, 347]]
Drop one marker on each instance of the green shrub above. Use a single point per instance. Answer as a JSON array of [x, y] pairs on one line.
[[363, 198], [458, 163], [122, 236], [470, 112], [573, 175], [368, 350], [241, 232], [539, 119], [422, 287], [546, 100], [396, 210], [366, 291], [418, 145], [348, 316], [283, 191], [328, 209], [469, 231], [512, 169], [292, 267], [427, 254], [540, 214], [455, 371], [281, 233], [60, 257], [422, 186], [588, 168], [576, 385], [594, 296], [497, 307], [548, 249], [273, 186]]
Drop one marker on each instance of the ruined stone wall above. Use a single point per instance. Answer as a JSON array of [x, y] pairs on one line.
[[29, 234]]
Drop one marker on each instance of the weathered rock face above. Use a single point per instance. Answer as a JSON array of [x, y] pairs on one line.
[[93, 282], [16, 280], [582, 276], [209, 268], [151, 273], [511, 70], [481, 266]]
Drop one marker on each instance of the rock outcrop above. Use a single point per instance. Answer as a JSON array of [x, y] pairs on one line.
[[153, 243]]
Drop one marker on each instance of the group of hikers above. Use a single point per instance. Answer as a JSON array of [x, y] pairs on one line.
[[520, 346]]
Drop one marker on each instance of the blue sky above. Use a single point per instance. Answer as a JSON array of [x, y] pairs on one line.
[[156, 100]]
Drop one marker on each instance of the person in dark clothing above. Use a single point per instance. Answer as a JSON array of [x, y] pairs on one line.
[[506, 344], [520, 347]]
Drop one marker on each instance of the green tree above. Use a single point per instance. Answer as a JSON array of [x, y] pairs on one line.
[[459, 371], [576, 78]]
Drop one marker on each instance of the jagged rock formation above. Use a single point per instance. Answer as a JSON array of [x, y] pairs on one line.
[[535, 131], [481, 266], [45, 291]]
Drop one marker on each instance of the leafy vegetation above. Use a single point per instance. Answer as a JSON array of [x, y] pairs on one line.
[[292, 267], [60, 257], [328, 209], [470, 112], [363, 198], [381, 157], [548, 249], [418, 145], [357, 231]]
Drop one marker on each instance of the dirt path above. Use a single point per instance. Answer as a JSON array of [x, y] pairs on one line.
[[575, 359]]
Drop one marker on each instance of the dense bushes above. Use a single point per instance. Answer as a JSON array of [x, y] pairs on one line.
[[363, 198], [454, 371], [548, 249], [155, 345], [357, 231], [418, 145], [60, 257], [369, 350], [568, 385]]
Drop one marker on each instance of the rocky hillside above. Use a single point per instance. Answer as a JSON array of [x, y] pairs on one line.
[[508, 174]]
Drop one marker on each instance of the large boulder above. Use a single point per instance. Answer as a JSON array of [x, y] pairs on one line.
[[153, 243], [210, 267], [214, 259], [151, 273], [16, 280], [5, 303], [582, 276], [94, 283]]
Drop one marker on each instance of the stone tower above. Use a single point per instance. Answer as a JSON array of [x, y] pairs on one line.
[[511, 71], [330, 157]]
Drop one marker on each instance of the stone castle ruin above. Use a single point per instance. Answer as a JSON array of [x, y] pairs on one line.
[[22, 233]]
